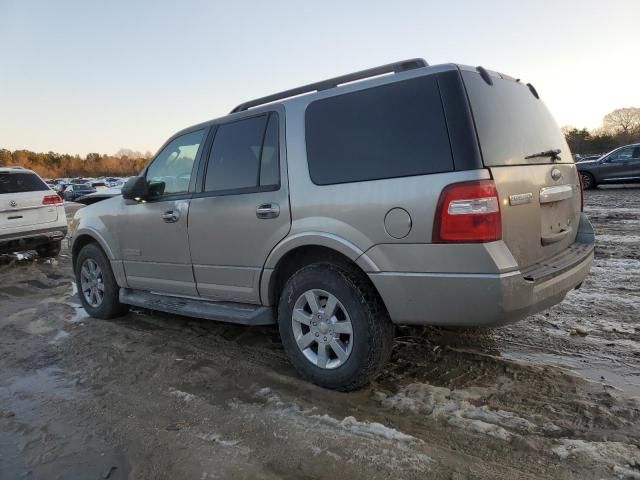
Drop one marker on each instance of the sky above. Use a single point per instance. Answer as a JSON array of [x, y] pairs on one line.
[[80, 76]]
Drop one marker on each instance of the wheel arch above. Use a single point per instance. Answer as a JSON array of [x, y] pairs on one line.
[[300, 254], [83, 238], [591, 174]]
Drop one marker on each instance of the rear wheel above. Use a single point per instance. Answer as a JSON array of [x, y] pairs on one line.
[[588, 182], [49, 250], [334, 327], [97, 287]]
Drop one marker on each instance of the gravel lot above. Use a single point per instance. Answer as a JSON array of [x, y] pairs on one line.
[[158, 396]]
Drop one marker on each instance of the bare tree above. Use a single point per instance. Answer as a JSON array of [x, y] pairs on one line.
[[624, 120]]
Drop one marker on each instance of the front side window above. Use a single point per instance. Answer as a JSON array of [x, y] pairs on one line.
[[170, 172], [622, 155], [244, 155]]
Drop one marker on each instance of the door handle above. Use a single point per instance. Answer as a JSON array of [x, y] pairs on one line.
[[171, 216], [268, 210]]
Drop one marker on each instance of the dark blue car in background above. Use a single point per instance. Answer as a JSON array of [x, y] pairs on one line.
[[621, 165]]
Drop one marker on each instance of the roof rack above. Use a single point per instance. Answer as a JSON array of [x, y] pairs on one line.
[[395, 67]]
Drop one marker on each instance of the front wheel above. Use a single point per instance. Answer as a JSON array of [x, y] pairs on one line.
[[97, 287], [588, 182], [334, 327]]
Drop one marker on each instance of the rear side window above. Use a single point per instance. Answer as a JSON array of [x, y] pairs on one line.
[[244, 155], [395, 130], [21, 182]]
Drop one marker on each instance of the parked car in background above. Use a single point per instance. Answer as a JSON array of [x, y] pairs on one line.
[[621, 165], [118, 183], [59, 188], [98, 196], [100, 185], [32, 215], [76, 190], [376, 208]]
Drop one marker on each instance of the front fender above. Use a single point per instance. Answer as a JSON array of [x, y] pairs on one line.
[[96, 236], [99, 223]]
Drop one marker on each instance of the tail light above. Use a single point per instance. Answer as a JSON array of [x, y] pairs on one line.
[[51, 200], [468, 212], [581, 192]]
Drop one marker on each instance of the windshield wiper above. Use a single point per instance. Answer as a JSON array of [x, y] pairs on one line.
[[553, 154]]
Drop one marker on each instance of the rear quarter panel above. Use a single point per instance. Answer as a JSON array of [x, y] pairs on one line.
[[355, 212]]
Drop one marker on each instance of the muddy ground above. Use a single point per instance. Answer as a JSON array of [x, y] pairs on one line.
[[158, 396]]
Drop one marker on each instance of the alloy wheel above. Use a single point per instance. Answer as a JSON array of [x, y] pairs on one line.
[[92, 283], [322, 329]]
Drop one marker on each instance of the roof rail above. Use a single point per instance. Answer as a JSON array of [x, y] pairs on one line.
[[334, 82]]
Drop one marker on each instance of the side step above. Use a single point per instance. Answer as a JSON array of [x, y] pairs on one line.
[[241, 313]]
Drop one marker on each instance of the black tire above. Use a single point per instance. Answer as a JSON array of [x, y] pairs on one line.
[[373, 331], [49, 250], [588, 181], [110, 306]]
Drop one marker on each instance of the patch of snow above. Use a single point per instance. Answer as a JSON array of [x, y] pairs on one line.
[[623, 472], [60, 335], [79, 314], [187, 397], [367, 429], [455, 408], [348, 423], [606, 238], [215, 438], [267, 394], [368, 442], [614, 454]]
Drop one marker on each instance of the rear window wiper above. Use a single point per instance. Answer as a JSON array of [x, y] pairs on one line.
[[553, 154]]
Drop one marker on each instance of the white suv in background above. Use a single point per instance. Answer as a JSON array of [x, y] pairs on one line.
[[32, 216]]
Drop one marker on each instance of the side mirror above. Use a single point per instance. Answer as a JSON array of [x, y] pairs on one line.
[[136, 188]]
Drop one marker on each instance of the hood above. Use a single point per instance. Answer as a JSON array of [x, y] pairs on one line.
[[587, 162]]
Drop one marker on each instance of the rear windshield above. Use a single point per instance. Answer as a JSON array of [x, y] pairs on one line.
[[21, 182], [512, 123]]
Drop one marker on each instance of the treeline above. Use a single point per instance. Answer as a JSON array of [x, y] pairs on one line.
[[620, 127], [55, 165], [585, 142]]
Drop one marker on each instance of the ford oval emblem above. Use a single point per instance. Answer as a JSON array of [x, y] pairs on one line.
[[556, 174], [13, 203]]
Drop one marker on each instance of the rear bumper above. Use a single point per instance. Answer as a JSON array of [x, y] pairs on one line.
[[485, 299], [31, 239]]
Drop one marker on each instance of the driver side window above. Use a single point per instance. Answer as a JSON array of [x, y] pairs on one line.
[[621, 155], [171, 171]]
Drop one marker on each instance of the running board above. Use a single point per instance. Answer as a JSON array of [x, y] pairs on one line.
[[241, 313]]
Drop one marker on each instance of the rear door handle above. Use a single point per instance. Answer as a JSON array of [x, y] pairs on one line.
[[268, 210], [171, 216]]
